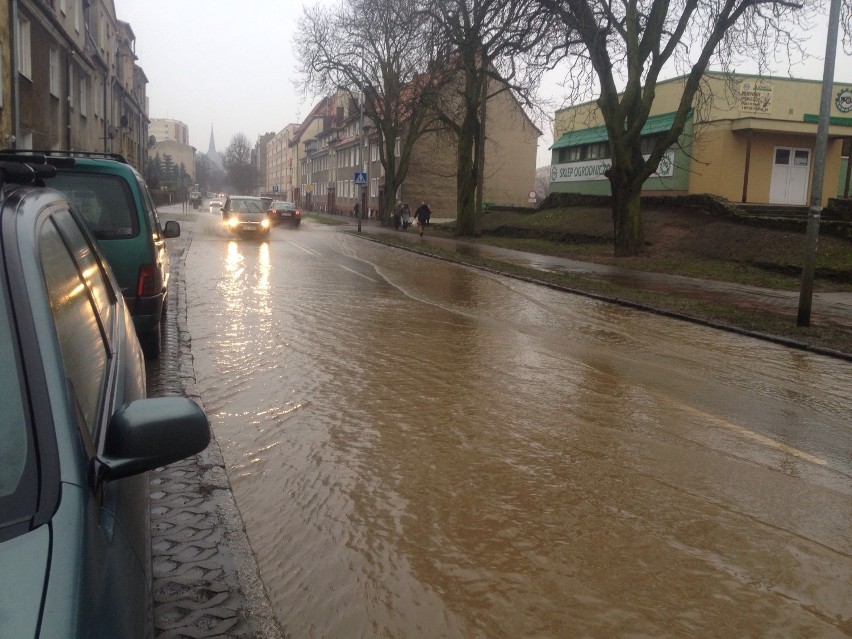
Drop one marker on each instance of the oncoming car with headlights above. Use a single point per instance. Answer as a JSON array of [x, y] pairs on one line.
[[245, 215]]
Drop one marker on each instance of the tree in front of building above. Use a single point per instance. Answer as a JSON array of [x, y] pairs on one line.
[[208, 174], [620, 49], [378, 53], [485, 44], [241, 173]]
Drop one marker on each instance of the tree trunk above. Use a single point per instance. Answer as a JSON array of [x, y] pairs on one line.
[[466, 182], [627, 220]]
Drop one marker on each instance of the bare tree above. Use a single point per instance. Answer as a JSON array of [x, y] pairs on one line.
[[377, 52], [621, 48], [485, 43], [237, 161]]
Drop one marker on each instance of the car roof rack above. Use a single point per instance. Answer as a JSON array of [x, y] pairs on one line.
[[33, 171], [50, 154]]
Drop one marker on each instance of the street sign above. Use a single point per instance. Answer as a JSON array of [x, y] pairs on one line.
[[275, 188], [360, 178]]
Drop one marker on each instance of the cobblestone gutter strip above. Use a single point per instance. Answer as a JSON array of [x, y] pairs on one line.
[[206, 579]]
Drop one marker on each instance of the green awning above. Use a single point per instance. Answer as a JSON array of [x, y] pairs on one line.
[[654, 124]]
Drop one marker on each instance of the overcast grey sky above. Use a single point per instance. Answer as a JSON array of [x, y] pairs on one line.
[[230, 65]]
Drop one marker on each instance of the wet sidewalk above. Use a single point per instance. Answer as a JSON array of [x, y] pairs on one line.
[[206, 581], [833, 309]]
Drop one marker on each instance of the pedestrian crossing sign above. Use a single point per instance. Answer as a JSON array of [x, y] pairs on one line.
[[360, 178]]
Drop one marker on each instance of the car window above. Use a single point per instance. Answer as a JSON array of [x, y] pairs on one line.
[[91, 267], [150, 208], [83, 350], [18, 468], [104, 200]]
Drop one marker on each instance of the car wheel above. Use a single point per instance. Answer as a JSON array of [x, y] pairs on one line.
[[151, 343]]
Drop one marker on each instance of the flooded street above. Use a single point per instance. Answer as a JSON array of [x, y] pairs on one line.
[[420, 449]]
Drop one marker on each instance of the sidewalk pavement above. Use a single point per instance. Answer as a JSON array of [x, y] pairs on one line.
[[206, 581], [827, 308]]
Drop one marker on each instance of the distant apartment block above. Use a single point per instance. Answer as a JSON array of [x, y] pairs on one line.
[[165, 129]]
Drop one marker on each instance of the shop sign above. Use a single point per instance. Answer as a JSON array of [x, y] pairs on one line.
[[596, 169], [843, 101], [755, 97]]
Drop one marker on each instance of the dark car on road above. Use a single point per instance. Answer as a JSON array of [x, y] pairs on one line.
[[245, 215], [77, 433], [281, 211], [116, 204]]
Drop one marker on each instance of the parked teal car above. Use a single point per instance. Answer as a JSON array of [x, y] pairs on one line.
[[77, 433], [119, 210]]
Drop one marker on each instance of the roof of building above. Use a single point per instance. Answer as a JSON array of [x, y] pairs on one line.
[[654, 124]]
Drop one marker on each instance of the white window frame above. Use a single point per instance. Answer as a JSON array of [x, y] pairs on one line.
[[25, 55]]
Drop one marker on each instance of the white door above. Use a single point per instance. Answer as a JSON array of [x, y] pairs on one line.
[[790, 172]]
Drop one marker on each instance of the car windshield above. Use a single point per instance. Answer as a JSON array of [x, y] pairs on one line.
[[18, 476], [104, 200], [246, 206]]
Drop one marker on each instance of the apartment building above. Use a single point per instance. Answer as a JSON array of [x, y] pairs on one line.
[[74, 83], [166, 129], [329, 148], [280, 169]]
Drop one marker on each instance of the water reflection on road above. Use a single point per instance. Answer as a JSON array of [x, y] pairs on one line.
[[423, 450]]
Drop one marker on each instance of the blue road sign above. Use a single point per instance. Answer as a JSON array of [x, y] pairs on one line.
[[360, 178], [275, 188]]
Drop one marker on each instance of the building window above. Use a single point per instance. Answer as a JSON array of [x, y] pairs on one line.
[[63, 6], [374, 153], [84, 95], [78, 15], [396, 148], [25, 61], [54, 71], [70, 89], [648, 143], [597, 151], [98, 96], [2, 84]]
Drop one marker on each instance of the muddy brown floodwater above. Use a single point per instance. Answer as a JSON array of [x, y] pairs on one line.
[[419, 449]]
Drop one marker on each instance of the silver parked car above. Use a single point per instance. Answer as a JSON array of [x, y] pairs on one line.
[[77, 433]]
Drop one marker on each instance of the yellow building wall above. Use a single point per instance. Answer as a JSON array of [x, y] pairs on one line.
[[775, 117]]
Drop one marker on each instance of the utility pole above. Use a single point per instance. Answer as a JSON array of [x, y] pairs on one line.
[[361, 158], [812, 233]]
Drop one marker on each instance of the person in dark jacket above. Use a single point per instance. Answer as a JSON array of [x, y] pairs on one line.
[[423, 213]]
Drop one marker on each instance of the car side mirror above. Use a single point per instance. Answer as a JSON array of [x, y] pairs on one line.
[[148, 433], [172, 229]]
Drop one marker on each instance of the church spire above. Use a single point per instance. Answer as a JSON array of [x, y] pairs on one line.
[[212, 149], [212, 154]]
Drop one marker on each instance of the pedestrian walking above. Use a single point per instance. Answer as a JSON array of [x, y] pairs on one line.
[[423, 213], [406, 216], [397, 215], [356, 209]]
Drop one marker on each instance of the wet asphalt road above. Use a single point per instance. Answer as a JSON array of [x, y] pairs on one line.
[[378, 506]]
